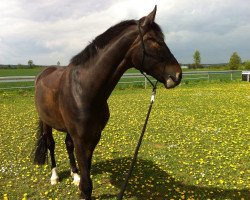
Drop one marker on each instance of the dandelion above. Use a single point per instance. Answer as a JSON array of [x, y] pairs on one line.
[[5, 197], [25, 196]]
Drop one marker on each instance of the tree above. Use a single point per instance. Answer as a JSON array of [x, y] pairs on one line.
[[247, 64], [197, 59], [235, 61], [30, 63], [58, 63]]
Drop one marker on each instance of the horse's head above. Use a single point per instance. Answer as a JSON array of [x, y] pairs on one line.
[[150, 54]]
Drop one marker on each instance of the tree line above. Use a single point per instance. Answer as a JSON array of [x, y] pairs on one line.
[[234, 63], [30, 64]]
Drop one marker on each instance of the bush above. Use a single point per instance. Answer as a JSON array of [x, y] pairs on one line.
[[247, 64], [235, 61]]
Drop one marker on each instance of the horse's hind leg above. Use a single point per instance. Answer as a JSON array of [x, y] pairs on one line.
[[45, 141], [70, 148], [51, 146]]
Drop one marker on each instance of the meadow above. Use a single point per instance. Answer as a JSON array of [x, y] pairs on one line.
[[197, 146], [21, 72]]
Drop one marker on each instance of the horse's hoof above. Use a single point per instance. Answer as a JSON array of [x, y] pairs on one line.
[[76, 178], [54, 177], [76, 182], [54, 181]]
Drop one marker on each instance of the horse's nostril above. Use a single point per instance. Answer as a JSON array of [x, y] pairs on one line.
[[176, 78], [172, 77]]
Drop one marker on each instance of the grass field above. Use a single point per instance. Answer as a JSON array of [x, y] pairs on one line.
[[197, 146], [20, 72]]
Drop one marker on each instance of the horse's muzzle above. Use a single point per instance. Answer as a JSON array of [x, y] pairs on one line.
[[173, 80]]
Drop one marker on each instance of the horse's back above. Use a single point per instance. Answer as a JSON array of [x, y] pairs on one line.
[[50, 77]]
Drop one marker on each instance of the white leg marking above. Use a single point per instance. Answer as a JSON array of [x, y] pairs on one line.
[[54, 177], [76, 178]]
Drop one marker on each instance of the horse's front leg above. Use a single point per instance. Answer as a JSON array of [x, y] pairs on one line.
[[85, 136], [84, 152]]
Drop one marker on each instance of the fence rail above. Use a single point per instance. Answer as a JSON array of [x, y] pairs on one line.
[[133, 78], [11, 79]]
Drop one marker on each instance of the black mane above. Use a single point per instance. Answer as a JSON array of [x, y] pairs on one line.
[[102, 40]]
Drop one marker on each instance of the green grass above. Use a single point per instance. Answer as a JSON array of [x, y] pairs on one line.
[[20, 72], [197, 146], [16, 85]]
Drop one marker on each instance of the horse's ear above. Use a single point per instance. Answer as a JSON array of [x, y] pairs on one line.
[[148, 20]]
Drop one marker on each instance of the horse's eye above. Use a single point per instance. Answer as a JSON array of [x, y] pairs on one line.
[[155, 45]]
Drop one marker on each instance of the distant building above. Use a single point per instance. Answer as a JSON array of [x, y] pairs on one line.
[[184, 67], [245, 76]]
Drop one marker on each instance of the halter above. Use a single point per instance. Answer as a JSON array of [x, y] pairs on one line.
[[144, 53]]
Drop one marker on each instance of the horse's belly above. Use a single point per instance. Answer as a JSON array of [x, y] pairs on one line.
[[52, 119]]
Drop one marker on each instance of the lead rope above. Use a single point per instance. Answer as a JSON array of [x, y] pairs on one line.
[[120, 196], [144, 53]]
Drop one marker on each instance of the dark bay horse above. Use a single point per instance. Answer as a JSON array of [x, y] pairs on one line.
[[73, 99]]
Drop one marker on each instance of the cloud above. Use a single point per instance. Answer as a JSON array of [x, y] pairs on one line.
[[55, 30], [216, 28]]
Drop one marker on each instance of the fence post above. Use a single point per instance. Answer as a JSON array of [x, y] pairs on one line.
[[145, 83], [231, 75]]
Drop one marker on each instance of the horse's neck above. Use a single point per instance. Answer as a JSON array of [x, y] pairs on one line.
[[108, 66]]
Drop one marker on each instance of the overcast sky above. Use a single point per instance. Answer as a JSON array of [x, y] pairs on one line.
[[49, 31]]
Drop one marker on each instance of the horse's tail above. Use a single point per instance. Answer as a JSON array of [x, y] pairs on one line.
[[41, 149]]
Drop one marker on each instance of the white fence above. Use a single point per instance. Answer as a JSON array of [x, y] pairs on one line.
[[229, 74], [11, 79], [134, 78]]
